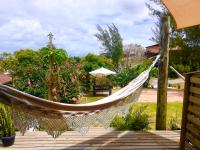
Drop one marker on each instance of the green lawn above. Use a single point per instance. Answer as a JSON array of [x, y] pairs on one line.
[[174, 110], [90, 98]]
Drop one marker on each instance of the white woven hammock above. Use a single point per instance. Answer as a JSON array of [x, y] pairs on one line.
[[55, 118]]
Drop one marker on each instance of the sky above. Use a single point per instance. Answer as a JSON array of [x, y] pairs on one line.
[[26, 23]]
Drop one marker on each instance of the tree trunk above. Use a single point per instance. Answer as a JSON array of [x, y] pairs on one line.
[[53, 81], [161, 113]]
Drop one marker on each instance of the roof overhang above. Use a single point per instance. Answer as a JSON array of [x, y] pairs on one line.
[[185, 12]]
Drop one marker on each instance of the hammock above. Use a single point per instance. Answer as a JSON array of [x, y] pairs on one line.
[[55, 118]]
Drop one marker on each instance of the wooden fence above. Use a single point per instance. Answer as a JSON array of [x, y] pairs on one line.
[[190, 133]]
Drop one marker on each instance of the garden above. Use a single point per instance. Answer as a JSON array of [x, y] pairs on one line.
[[50, 73]]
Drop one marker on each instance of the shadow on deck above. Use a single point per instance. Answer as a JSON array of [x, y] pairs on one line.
[[99, 138]]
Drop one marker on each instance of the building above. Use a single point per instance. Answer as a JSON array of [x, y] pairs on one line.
[[5, 78], [152, 50]]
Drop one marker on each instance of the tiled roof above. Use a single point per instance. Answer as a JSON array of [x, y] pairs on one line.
[[153, 49], [152, 45], [156, 49], [4, 78]]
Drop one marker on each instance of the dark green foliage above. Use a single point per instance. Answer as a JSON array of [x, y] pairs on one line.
[[126, 74], [6, 124], [52, 60], [180, 68], [185, 60], [124, 77], [104, 37], [70, 82], [91, 62], [117, 54], [136, 119], [154, 72], [57, 55], [112, 43], [27, 72], [30, 72]]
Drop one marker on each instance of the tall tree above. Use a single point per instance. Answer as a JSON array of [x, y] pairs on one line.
[[55, 58], [25, 68], [158, 13], [31, 72], [112, 43]]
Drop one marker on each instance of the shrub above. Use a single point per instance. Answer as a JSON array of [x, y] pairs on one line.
[[122, 78], [154, 72], [185, 60], [6, 123], [128, 74], [119, 123], [136, 120], [180, 68], [173, 124]]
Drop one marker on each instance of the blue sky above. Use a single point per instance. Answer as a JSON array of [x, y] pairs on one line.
[[26, 23]]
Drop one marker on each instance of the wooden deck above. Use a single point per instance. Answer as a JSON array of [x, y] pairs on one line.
[[98, 138]]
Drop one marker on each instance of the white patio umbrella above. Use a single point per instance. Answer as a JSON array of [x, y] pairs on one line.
[[185, 12], [102, 72]]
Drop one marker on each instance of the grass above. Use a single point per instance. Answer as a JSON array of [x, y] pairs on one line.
[[179, 86], [174, 110], [90, 98]]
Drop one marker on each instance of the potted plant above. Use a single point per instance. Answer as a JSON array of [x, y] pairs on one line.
[[7, 126]]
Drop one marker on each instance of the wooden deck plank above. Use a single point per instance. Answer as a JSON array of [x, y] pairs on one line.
[[98, 138]]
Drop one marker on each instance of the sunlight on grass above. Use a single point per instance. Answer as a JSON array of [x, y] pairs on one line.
[[90, 98], [174, 110]]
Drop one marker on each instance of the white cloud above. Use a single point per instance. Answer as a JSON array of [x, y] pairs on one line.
[[25, 24]]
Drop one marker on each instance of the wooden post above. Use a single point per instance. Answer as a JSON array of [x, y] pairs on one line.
[[161, 113], [185, 110]]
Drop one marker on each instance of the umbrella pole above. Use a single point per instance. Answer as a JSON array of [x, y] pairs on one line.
[[161, 113]]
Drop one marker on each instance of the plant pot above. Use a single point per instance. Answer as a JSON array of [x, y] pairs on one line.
[[8, 141]]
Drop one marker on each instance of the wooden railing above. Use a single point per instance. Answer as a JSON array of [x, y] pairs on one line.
[[190, 130]]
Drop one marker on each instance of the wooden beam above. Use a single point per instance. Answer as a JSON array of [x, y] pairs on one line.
[[163, 75]]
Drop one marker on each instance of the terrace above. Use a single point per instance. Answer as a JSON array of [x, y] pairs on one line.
[[52, 116], [99, 138]]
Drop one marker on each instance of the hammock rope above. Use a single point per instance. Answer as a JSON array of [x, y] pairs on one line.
[[55, 118], [179, 74]]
